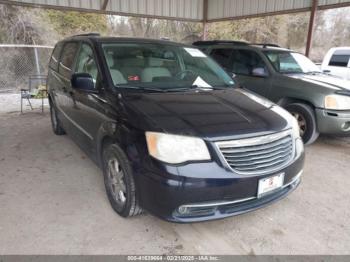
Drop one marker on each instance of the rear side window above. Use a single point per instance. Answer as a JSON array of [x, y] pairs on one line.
[[55, 57], [67, 59], [222, 56], [340, 58]]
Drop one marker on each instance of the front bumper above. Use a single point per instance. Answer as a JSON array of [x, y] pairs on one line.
[[216, 193], [333, 122]]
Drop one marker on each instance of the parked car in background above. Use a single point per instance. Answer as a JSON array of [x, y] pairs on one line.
[[319, 102], [170, 129], [337, 62]]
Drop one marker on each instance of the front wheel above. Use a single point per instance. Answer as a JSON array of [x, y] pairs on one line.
[[119, 182], [305, 116]]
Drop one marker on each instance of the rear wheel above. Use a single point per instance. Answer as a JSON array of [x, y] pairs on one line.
[[305, 116], [119, 182], [55, 122]]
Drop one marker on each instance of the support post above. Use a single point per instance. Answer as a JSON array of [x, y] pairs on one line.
[[104, 5], [205, 20], [311, 27]]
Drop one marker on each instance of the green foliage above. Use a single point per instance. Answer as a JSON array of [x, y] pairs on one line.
[[286, 30], [67, 23], [154, 28]]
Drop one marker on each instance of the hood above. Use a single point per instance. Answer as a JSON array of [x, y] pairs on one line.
[[207, 114], [324, 80]]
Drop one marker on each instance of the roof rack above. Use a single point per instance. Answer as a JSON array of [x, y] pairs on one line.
[[264, 45], [88, 34], [220, 42]]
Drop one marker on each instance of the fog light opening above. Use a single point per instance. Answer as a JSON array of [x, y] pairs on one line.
[[193, 211], [346, 126], [182, 210]]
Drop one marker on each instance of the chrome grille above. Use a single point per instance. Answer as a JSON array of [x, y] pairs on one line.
[[258, 155]]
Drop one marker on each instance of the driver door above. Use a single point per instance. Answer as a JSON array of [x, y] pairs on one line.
[[251, 71], [87, 109]]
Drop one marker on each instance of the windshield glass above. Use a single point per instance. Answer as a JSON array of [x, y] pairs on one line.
[[162, 67], [289, 62]]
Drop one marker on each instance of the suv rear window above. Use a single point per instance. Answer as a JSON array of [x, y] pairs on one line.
[[55, 56], [340, 58], [67, 58]]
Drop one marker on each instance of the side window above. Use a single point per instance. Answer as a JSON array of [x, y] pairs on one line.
[[245, 61], [340, 58], [67, 59], [222, 56], [55, 56], [86, 62]]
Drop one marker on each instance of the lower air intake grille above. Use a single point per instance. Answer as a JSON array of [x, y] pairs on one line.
[[258, 155]]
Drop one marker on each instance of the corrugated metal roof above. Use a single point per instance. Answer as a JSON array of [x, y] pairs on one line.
[[191, 10], [221, 9], [174, 9]]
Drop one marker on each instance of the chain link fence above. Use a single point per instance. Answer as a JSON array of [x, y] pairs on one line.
[[19, 62]]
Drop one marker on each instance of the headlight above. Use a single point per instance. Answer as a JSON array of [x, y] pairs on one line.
[[295, 127], [337, 102], [175, 149], [299, 147]]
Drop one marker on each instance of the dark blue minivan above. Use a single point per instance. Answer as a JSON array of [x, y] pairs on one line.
[[171, 130]]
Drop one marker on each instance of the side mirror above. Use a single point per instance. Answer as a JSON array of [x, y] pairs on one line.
[[260, 72], [83, 81]]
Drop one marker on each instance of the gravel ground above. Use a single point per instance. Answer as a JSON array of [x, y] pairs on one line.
[[53, 201]]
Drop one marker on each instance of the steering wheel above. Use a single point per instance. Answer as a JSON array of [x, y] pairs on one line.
[[182, 74]]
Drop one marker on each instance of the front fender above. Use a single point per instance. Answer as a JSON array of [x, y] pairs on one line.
[[132, 141]]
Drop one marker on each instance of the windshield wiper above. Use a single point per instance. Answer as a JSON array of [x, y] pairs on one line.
[[313, 72], [195, 87], [223, 87], [291, 72], [143, 88], [179, 89]]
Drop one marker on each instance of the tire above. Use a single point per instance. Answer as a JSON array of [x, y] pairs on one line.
[[55, 122], [120, 184], [307, 122]]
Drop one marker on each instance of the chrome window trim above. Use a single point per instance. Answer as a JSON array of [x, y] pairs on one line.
[[257, 140]]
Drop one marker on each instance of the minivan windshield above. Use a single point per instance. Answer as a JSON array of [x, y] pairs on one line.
[[291, 62], [163, 67]]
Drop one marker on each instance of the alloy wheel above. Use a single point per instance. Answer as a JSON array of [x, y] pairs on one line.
[[116, 182], [301, 122]]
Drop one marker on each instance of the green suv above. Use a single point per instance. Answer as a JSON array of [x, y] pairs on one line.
[[320, 102]]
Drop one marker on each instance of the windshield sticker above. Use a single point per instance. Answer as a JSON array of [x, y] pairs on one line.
[[195, 52], [200, 83]]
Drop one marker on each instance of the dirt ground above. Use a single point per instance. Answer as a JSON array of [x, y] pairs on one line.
[[53, 201]]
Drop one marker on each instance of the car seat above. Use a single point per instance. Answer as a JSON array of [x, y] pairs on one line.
[[116, 75], [155, 69]]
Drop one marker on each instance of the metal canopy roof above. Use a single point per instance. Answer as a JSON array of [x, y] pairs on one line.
[[189, 10]]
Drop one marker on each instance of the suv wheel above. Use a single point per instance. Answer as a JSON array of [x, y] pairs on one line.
[[305, 116], [119, 182], [56, 125]]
